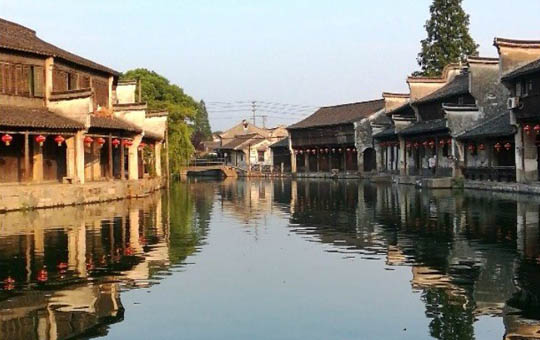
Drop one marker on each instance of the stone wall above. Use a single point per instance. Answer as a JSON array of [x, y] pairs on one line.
[[17, 197]]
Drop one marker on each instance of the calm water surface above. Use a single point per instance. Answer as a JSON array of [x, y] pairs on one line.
[[262, 259]]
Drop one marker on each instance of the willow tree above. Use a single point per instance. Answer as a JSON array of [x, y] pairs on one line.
[[160, 94], [448, 38]]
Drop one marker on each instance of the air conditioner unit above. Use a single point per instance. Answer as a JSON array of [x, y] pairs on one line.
[[512, 103]]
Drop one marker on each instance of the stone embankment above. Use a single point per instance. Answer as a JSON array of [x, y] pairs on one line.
[[35, 196]]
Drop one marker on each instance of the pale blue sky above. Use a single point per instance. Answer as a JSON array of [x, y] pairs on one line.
[[287, 51]]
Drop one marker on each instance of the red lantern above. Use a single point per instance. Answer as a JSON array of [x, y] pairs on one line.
[[142, 145], [333, 150], [425, 143], [7, 139], [498, 147], [127, 143], [537, 128], [115, 142], [326, 150], [431, 144], [340, 150], [59, 140], [313, 151], [408, 145], [88, 140], [100, 141], [416, 145], [507, 146], [481, 147], [40, 140], [527, 129], [442, 142], [296, 152], [348, 149], [471, 148], [354, 150], [449, 141]]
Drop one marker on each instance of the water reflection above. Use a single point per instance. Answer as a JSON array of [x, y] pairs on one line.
[[469, 255], [63, 269]]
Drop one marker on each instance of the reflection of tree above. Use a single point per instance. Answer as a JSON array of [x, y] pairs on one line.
[[182, 238], [452, 317]]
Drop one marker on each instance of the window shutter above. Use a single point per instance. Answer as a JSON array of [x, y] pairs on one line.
[[2, 78], [24, 82], [38, 81]]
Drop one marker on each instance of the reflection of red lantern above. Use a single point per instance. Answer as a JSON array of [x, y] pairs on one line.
[[100, 141], [507, 146], [431, 144], [527, 129], [115, 142], [471, 148], [42, 275], [7, 139], [498, 147], [481, 147], [59, 140], [40, 140], [537, 128], [88, 140]]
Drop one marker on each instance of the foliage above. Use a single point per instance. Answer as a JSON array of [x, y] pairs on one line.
[[201, 127], [448, 39], [160, 94]]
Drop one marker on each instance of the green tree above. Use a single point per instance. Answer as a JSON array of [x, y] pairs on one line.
[[448, 39], [201, 127], [160, 94]]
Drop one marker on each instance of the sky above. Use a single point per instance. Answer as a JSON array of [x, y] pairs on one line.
[[290, 56]]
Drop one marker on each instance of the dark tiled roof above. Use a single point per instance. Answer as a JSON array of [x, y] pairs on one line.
[[425, 126], [386, 133], [237, 141], [20, 38], [459, 85], [497, 126], [533, 67], [111, 123], [403, 109], [340, 114], [284, 143], [40, 118]]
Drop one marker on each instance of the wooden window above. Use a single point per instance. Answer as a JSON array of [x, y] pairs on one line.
[[101, 90], [260, 156], [2, 77], [84, 82], [38, 81], [72, 81]]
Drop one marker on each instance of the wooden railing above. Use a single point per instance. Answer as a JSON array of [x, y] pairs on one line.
[[495, 173]]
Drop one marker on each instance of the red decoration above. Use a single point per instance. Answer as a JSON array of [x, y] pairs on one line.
[[498, 147], [59, 140], [115, 142], [481, 147], [471, 148], [296, 152], [301, 151], [449, 141], [340, 150], [40, 140], [333, 150], [313, 151], [88, 140], [100, 141], [507, 146], [354, 150], [142, 145], [408, 145], [348, 149], [537, 128], [527, 129], [42, 275], [7, 138], [9, 283], [425, 143], [442, 142], [127, 143], [431, 144], [326, 150], [416, 145]]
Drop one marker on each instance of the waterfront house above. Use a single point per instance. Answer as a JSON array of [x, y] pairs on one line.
[[520, 73], [64, 118], [281, 155], [326, 141]]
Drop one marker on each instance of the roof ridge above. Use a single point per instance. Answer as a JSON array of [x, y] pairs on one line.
[[355, 103], [14, 24]]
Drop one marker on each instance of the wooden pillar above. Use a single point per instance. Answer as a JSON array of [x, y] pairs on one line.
[[110, 158], [122, 161], [318, 160], [37, 161], [27, 171], [344, 159], [306, 161]]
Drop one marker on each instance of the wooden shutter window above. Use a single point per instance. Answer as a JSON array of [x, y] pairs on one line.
[[38, 83]]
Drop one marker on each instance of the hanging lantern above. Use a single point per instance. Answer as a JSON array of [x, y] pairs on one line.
[[142, 145], [497, 147], [442, 142], [425, 143], [313, 151], [115, 142], [408, 145], [537, 128], [100, 141], [449, 141], [127, 143], [88, 140], [471, 148], [59, 140], [354, 150], [340, 150], [40, 140], [348, 149], [333, 150], [7, 138], [296, 152], [431, 144], [481, 147], [527, 129], [507, 146], [326, 150], [416, 145]]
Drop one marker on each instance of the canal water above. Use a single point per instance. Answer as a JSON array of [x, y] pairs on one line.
[[275, 259]]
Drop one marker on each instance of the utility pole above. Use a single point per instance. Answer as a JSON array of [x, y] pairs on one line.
[[253, 106], [264, 121]]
